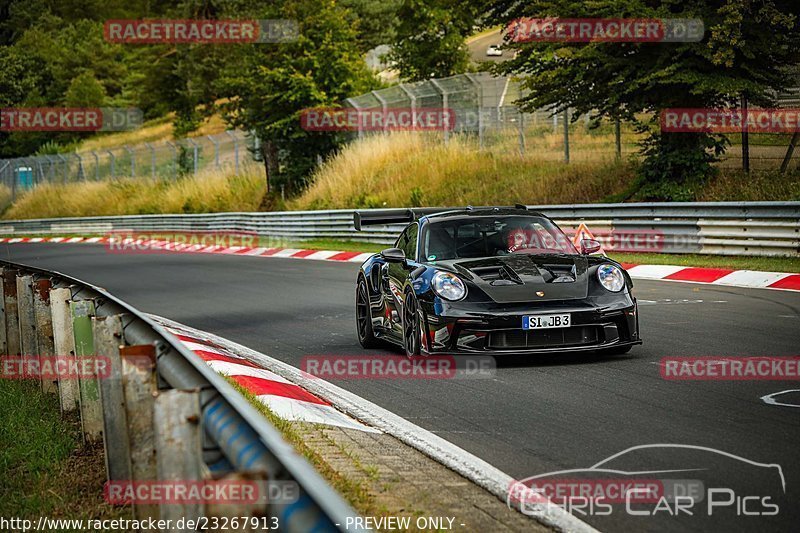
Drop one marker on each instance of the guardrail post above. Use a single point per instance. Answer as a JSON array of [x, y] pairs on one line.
[[3, 341], [139, 389], [91, 407], [44, 326], [64, 345], [107, 340], [179, 447], [12, 316], [27, 320]]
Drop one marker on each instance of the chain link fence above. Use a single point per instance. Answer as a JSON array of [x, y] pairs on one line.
[[485, 110], [485, 113], [227, 151]]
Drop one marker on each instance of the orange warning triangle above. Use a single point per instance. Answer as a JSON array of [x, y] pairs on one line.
[[583, 233]]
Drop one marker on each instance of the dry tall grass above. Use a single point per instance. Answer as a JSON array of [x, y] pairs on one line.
[[758, 186], [157, 130], [205, 193], [5, 197], [405, 169], [398, 170]]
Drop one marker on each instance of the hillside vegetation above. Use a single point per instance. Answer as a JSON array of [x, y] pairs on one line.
[[398, 170], [205, 193], [403, 169]]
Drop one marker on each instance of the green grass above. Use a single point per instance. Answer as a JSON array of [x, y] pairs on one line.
[[336, 245], [33, 440], [45, 469]]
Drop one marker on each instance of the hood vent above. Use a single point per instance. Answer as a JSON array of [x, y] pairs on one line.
[[504, 274], [558, 273], [498, 275]]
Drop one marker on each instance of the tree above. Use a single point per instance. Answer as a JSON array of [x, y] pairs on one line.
[[431, 38], [748, 49], [376, 21], [269, 85], [85, 91]]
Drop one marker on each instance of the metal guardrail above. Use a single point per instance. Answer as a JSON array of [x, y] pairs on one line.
[[723, 228], [192, 426]]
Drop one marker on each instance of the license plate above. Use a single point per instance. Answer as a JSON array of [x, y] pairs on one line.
[[546, 321]]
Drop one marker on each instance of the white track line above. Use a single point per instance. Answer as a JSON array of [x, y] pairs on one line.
[[471, 467]]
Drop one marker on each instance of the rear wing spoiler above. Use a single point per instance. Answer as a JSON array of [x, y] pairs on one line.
[[377, 217]]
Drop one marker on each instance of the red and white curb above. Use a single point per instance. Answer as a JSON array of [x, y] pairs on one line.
[[714, 276], [473, 468], [284, 398]]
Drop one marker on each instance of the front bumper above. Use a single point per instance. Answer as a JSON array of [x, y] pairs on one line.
[[594, 327]]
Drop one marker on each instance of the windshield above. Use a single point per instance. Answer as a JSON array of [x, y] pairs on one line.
[[492, 236]]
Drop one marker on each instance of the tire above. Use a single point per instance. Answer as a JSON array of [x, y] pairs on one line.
[[366, 336], [411, 330]]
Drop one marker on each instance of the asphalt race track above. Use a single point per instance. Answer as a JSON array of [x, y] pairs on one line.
[[536, 415]]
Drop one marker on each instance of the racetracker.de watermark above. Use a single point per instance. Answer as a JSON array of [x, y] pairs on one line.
[[181, 492], [398, 366], [706, 120], [76, 119], [730, 368], [620, 30], [200, 31], [378, 119], [54, 367], [129, 242]]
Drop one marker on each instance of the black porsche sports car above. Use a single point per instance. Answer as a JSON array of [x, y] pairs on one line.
[[496, 279]]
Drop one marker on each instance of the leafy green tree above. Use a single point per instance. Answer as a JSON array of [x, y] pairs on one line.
[[269, 85], [376, 21], [20, 82], [85, 91], [431, 38], [748, 49]]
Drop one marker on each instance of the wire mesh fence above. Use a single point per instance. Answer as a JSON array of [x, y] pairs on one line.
[[485, 110], [227, 151]]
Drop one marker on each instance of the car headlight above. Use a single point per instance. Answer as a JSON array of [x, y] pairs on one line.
[[448, 286], [611, 277]]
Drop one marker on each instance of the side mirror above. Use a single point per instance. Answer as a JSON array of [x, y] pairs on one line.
[[589, 246], [393, 255]]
